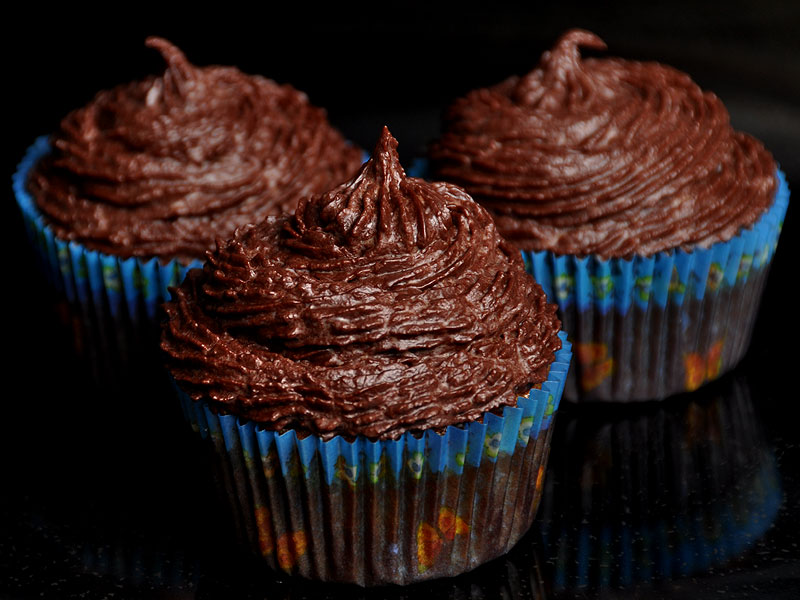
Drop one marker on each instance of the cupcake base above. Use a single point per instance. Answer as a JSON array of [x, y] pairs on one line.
[[385, 512]]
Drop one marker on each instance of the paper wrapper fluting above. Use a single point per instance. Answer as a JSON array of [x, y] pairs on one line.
[[396, 511]]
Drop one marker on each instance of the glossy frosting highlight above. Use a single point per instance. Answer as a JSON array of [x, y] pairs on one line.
[[163, 166], [386, 305], [604, 156]]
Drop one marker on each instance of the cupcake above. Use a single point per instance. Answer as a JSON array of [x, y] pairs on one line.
[[636, 206], [135, 186], [377, 376]]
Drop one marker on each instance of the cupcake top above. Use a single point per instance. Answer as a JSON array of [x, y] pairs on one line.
[[604, 156], [163, 166], [388, 304]]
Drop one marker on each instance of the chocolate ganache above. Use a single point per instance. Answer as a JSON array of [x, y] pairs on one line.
[[388, 304], [163, 166], [604, 156]]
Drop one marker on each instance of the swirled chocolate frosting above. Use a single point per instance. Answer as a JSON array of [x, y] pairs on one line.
[[604, 156], [385, 305], [163, 166]]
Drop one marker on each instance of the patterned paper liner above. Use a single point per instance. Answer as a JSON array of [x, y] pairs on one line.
[[664, 494], [129, 288], [380, 512]]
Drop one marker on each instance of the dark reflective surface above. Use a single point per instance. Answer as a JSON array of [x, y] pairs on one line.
[[103, 494], [640, 495]]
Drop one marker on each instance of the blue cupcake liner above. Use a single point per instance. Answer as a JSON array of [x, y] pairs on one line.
[[665, 277], [286, 489], [127, 287]]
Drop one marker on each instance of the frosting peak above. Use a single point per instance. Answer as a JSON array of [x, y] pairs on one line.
[[372, 212], [180, 76], [385, 305], [604, 156], [560, 77], [161, 167]]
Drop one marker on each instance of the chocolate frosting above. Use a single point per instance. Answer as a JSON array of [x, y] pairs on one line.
[[604, 156], [163, 166], [388, 304]]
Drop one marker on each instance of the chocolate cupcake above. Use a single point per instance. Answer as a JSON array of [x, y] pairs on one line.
[[133, 188], [377, 375], [636, 206]]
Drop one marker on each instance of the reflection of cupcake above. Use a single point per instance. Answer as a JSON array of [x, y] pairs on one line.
[[667, 491], [162, 568], [382, 349], [637, 207], [134, 187]]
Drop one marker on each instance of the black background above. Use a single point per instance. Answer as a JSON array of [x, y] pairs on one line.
[[368, 66]]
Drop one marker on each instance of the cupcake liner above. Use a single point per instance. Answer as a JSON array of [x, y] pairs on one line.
[[671, 491], [393, 511], [650, 327]]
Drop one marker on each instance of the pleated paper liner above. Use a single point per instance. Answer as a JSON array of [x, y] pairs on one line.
[[650, 327], [381, 512], [113, 302], [668, 491]]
